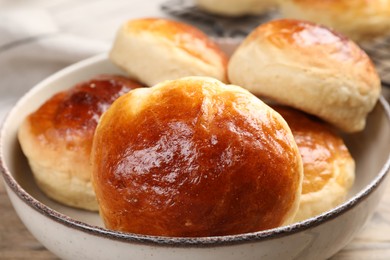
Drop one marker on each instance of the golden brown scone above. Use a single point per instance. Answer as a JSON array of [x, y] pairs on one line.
[[153, 50], [194, 157], [328, 167], [357, 19], [57, 138], [308, 67], [236, 8]]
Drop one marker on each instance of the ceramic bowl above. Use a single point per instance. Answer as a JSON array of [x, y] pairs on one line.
[[77, 234]]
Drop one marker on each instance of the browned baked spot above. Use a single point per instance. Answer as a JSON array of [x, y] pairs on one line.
[[71, 116]]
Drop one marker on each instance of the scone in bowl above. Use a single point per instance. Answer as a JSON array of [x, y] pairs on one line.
[[77, 234]]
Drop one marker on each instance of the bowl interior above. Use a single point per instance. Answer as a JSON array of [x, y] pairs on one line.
[[370, 148]]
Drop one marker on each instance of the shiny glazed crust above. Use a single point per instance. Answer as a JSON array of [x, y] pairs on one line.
[[57, 138], [328, 167], [194, 157], [153, 50], [308, 67], [358, 19]]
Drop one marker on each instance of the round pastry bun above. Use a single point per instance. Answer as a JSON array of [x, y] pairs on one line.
[[328, 167], [357, 19], [57, 138], [152, 50], [308, 67], [194, 157], [235, 8]]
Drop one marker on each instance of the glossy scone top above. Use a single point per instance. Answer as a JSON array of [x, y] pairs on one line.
[[162, 49], [57, 138], [308, 67], [328, 167], [194, 157], [358, 19]]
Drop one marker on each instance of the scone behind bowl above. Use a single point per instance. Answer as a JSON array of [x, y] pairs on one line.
[[360, 20], [57, 138], [235, 8]]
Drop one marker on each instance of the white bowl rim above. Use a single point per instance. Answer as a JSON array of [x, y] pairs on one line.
[[176, 241]]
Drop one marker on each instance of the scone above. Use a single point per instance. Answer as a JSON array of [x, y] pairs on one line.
[[195, 157], [57, 138], [234, 8], [153, 50], [357, 19], [308, 67], [328, 167]]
